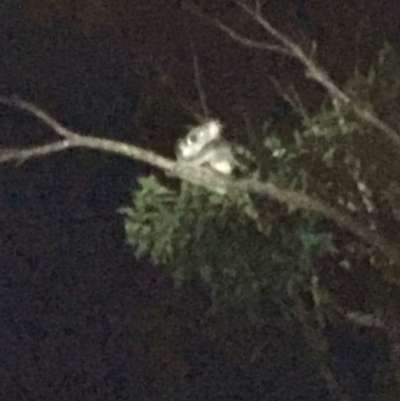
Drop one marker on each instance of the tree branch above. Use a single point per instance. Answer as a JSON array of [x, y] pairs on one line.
[[299, 200], [197, 176], [292, 49], [21, 155], [234, 35], [318, 74], [73, 139]]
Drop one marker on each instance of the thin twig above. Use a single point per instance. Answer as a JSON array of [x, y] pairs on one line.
[[184, 103], [318, 74], [197, 76], [22, 155], [40, 114], [291, 49], [236, 36]]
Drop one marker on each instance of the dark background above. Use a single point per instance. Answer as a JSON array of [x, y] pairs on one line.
[[80, 318]]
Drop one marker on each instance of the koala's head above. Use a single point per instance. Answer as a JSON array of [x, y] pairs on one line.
[[198, 138]]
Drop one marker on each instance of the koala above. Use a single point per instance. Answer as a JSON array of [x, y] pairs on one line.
[[204, 145]]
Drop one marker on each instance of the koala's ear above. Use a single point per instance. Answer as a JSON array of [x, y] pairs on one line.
[[192, 137], [214, 128]]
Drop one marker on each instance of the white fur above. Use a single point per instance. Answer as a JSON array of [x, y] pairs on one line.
[[204, 145]]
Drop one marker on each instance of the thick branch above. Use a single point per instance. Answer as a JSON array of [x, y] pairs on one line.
[[198, 176], [301, 201], [73, 139]]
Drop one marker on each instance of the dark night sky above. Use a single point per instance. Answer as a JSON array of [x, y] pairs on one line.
[[68, 284]]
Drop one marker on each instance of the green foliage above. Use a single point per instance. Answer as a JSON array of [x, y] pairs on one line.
[[230, 244], [202, 234], [382, 80], [338, 157]]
